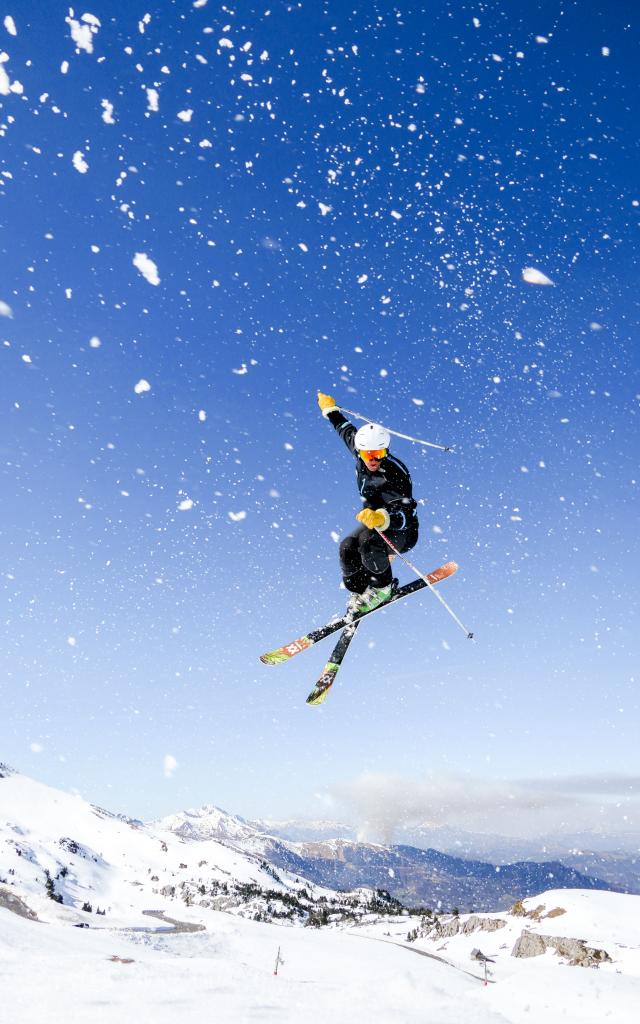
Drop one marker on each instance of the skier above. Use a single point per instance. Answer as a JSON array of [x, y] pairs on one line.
[[385, 487]]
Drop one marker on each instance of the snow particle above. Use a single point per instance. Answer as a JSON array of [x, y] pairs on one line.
[[5, 309], [82, 31], [185, 505], [147, 268], [142, 386], [10, 25], [80, 163], [533, 276], [237, 517], [169, 765], [5, 84], [107, 112]]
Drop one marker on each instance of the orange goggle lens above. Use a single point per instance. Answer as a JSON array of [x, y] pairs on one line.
[[375, 453]]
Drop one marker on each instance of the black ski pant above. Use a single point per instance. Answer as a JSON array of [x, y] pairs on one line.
[[364, 556]]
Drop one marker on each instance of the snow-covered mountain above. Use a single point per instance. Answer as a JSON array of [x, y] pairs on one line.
[[68, 863], [67, 858], [208, 822]]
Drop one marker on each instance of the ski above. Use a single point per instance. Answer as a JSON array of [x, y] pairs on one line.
[[289, 650], [328, 675]]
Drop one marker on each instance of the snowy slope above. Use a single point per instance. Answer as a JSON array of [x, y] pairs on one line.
[[226, 974], [223, 975], [113, 864], [602, 920]]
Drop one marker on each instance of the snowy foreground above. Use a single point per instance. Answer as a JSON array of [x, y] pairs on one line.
[[157, 952], [53, 973]]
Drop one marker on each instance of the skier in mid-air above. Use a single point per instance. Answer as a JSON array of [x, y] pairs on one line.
[[385, 487], [388, 523]]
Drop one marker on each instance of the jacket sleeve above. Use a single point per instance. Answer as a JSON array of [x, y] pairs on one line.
[[401, 513], [402, 505], [345, 429]]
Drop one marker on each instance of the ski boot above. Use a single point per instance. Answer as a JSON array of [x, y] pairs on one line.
[[370, 598]]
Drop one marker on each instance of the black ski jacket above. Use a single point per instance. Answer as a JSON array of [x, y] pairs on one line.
[[390, 487]]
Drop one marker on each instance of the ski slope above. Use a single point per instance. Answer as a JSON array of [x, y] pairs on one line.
[[226, 973]]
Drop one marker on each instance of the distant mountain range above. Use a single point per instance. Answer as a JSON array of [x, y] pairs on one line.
[[417, 877], [613, 858]]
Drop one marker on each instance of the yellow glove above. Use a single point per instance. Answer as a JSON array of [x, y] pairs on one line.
[[326, 403], [374, 518]]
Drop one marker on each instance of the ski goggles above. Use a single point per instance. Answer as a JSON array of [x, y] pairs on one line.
[[374, 453]]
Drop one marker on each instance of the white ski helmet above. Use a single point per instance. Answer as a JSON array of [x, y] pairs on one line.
[[371, 437]]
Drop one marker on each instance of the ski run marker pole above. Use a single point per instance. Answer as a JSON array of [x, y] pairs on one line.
[[406, 437], [429, 585], [279, 961]]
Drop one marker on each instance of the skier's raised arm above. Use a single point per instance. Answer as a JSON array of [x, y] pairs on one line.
[[331, 412]]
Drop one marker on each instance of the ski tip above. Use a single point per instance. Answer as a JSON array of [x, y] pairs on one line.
[[314, 699], [272, 658], [320, 691], [285, 653]]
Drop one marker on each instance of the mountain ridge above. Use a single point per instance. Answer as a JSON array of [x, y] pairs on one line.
[[415, 876]]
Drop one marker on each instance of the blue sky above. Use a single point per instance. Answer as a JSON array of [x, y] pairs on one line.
[[336, 200]]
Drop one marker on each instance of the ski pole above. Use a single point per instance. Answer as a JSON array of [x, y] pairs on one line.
[[406, 437], [429, 585]]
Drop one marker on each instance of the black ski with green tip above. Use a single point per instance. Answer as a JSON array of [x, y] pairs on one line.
[[328, 675]]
